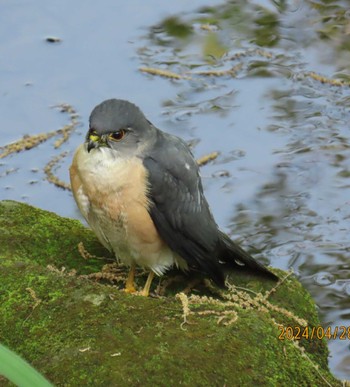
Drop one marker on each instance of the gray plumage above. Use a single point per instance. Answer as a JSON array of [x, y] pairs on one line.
[[178, 206]]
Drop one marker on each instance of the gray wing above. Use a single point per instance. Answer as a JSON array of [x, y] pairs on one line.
[[178, 208]]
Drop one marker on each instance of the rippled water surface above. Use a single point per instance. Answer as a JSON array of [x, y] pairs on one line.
[[265, 83]]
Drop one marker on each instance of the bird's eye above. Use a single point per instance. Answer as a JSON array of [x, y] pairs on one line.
[[118, 135]]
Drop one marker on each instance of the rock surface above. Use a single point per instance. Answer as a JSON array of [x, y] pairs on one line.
[[62, 310]]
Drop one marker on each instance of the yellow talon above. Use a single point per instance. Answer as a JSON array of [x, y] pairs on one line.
[[130, 282], [130, 285], [145, 291]]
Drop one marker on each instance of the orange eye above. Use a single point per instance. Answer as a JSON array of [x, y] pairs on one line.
[[118, 135]]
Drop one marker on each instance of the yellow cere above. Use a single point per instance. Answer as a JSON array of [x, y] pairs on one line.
[[94, 137]]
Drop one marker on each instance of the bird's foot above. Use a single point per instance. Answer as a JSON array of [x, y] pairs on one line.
[[146, 289], [130, 284], [130, 289], [135, 292], [142, 293]]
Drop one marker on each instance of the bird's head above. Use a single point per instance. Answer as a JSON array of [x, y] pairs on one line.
[[120, 126]]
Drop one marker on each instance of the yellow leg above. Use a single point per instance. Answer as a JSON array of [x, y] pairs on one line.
[[130, 285], [145, 291]]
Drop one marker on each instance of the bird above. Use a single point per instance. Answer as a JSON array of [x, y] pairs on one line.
[[140, 191]]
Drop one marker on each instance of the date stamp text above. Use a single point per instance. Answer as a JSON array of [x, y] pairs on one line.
[[309, 333]]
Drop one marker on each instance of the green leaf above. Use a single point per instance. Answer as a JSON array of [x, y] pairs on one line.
[[18, 371]]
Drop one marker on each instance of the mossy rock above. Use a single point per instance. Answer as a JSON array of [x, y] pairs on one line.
[[80, 332]]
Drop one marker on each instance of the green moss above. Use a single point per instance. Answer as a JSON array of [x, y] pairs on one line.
[[78, 332], [39, 239]]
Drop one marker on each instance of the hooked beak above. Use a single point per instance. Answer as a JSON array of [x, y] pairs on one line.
[[91, 145], [94, 141]]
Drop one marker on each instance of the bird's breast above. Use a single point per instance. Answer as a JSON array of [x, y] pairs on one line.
[[112, 194]]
